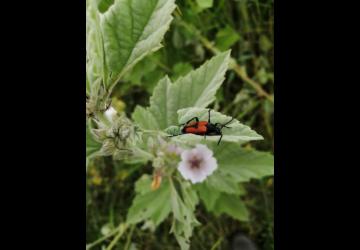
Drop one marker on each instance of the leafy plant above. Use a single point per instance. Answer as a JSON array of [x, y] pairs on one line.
[[120, 34]]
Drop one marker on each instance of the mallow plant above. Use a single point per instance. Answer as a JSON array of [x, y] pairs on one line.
[[188, 169]]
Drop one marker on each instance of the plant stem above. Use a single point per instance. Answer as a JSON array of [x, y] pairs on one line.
[[217, 243], [240, 71], [122, 229], [98, 241], [243, 75], [128, 239]]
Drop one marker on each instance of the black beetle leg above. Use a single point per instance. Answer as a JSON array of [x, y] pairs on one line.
[[196, 124], [220, 138]]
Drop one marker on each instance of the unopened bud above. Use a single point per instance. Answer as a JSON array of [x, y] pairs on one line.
[[100, 134], [155, 184], [158, 162], [108, 147]]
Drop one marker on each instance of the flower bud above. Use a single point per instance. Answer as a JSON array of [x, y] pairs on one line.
[[108, 147], [155, 184]]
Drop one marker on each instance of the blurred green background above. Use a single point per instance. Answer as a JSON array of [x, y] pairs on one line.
[[200, 29]]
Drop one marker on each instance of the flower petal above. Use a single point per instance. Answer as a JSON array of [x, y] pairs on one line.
[[193, 172], [184, 170], [210, 165], [204, 151], [186, 155]]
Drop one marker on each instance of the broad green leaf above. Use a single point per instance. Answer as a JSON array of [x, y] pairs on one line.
[[196, 89], [183, 210], [236, 132], [160, 102], [94, 46], [231, 205], [139, 73], [103, 5], [218, 202], [87, 85], [208, 195], [180, 69], [226, 38], [243, 164], [131, 30], [205, 4], [148, 204], [145, 118], [265, 43], [92, 146], [223, 183]]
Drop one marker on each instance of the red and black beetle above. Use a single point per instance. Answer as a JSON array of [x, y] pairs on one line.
[[205, 128]]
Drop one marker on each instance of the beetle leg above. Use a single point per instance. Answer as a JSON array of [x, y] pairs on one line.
[[194, 118], [220, 138], [209, 116]]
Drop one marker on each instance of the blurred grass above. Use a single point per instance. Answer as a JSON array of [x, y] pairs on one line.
[[197, 32]]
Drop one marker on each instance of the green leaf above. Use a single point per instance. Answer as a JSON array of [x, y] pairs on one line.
[[180, 69], [231, 205], [205, 4], [218, 202], [145, 118], [148, 204], [140, 71], [95, 61], [208, 195], [160, 102], [92, 146], [196, 89], [236, 132], [226, 38], [103, 5], [183, 210], [223, 183], [243, 164], [265, 43], [131, 30]]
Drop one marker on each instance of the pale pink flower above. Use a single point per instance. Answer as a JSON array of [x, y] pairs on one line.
[[197, 163]]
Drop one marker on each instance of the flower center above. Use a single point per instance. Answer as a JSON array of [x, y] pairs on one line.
[[195, 163]]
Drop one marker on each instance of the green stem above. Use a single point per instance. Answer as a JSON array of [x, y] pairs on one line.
[[123, 228], [98, 241], [240, 71], [128, 239], [217, 243]]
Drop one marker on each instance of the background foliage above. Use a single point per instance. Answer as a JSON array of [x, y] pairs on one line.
[[200, 30]]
